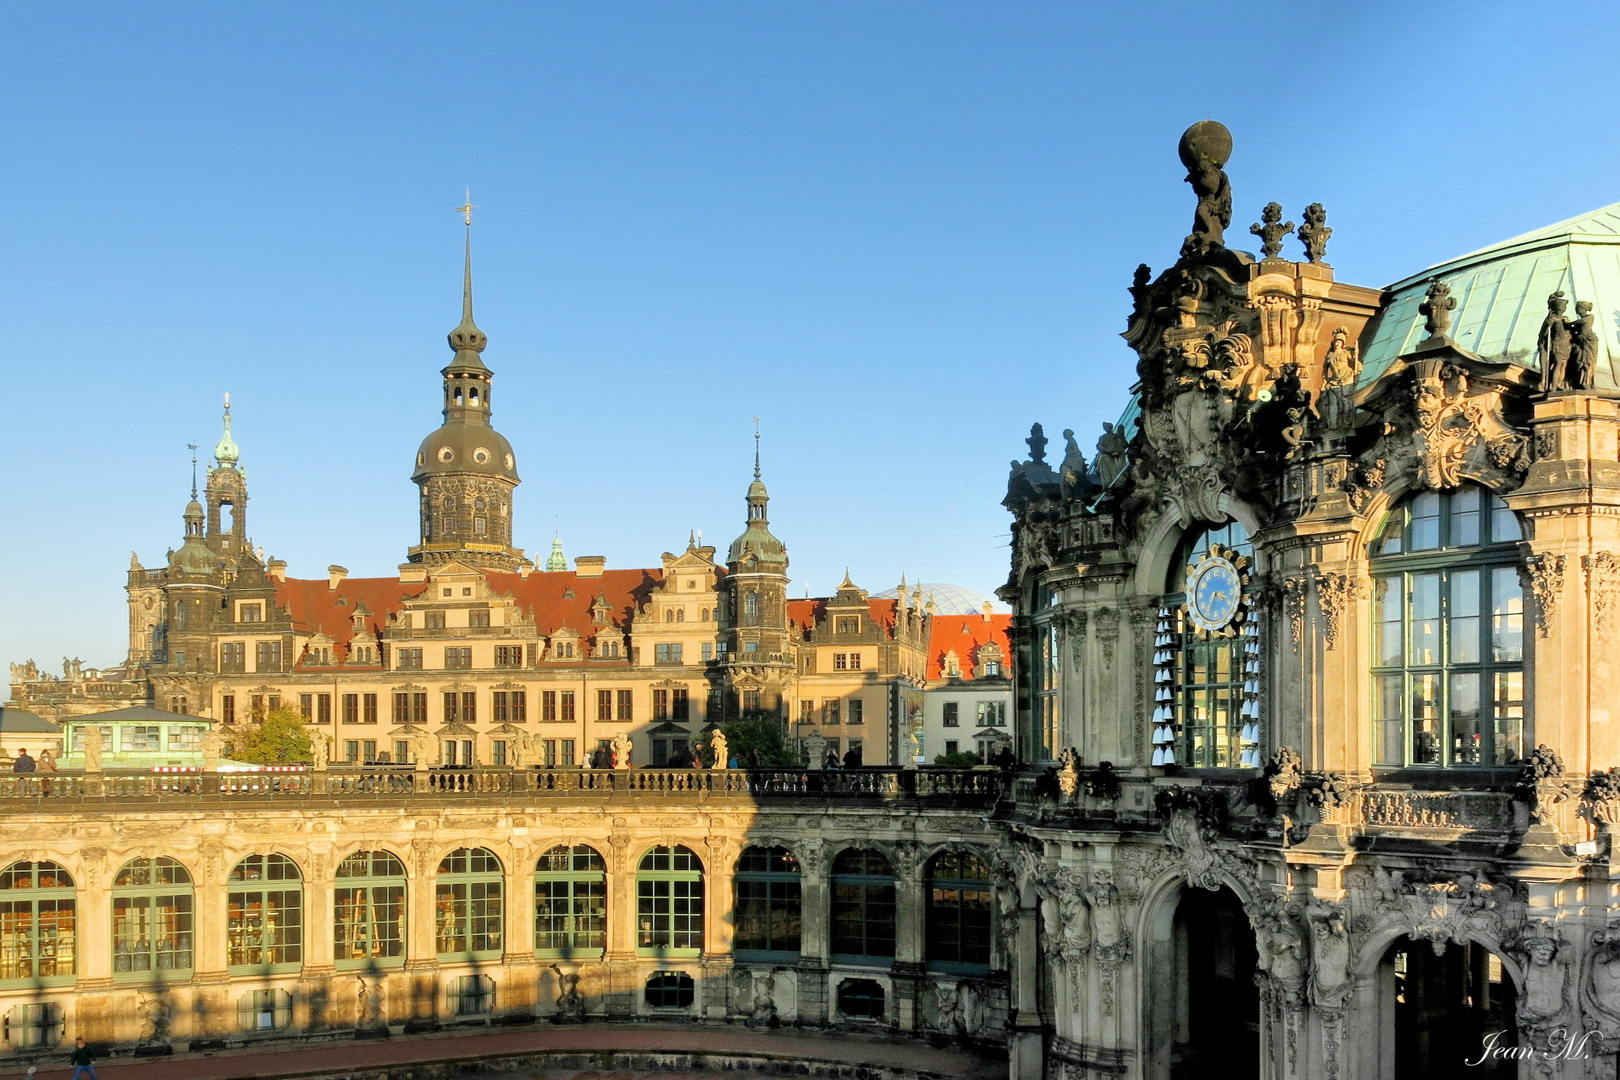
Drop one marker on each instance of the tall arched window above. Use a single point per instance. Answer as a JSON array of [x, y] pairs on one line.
[[767, 908], [751, 609], [570, 902], [958, 913], [467, 905], [368, 910], [1206, 658], [152, 920], [669, 903], [1448, 655], [862, 908], [38, 924], [265, 927]]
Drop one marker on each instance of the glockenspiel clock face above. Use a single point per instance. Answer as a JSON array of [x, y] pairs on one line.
[[1214, 592]]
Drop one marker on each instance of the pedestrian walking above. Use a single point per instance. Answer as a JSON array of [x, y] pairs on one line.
[[82, 1060]]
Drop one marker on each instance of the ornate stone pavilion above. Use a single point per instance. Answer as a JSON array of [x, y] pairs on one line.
[[1324, 641]]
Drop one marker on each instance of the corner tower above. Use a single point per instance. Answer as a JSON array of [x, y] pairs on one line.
[[758, 659], [465, 470]]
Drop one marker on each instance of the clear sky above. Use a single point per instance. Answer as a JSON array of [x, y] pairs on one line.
[[897, 232]]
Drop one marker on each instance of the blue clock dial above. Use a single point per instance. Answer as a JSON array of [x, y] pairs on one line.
[[1216, 592]]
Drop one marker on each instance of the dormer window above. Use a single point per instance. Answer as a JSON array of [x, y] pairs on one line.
[[358, 621], [250, 613]]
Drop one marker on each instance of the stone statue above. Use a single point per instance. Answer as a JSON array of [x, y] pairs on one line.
[[1314, 234], [1437, 307], [764, 1004], [1553, 345], [368, 1006], [1110, 454], [1603, 977], [1073, 471], [1037, 443], [1068, 776], [1107, 919], [90, 742], [213, 748], [72, 668], [320, 750], [621, 750], [421, 751], [815, 747], [27, 671], [1341, 368], [1293, 433], [1204, 149], [948, 1007], [570, 1002], [1271, 229], [158, 1015], [1139, 286], [1281, 949], [722, 755], [517, 748], [1330, 980], [1543, 996], [1583, 347]]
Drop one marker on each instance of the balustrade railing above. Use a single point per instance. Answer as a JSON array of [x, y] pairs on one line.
[[365, 782]]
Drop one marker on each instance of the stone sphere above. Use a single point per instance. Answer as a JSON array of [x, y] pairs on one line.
[[1207, 140]]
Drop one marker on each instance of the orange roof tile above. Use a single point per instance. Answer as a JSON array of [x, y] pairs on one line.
[[963, 635]]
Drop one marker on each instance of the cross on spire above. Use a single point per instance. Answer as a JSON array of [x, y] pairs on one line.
[[466, 209]]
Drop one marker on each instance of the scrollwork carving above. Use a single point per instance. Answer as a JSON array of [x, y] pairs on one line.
[[1333, 594], [1603, 584], [1546, 574]]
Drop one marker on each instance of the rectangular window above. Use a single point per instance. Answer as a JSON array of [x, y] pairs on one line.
[[351, 708], [452, 707], [707, 651], [306, 706], [419, 710], [368, 708], [368, 922], [668, 653], [458, 656], [840, 661], [256, 707], [767, 913], [402, 708], [508, 656], [750, 701], [680, 706], [807, 712], [146, 738], [952, 714], [408, 659], [831, 709], [854, 661], [519, 702], [467, 917], [951, 745], [469, 707], [660, 708], [626, 708], [250, 613], [991, 714], [152, 933], [548, 706], [604, 705], [548, 753], [669, 914], [402, 751], [856, 715], [435, 620], [570, 913], [497, 751], [185, 738], [568, 706], [567, 759], [847, 624], [264, 929], [39, 939], [478, 618], [267, 656], [497, 706], [227, 709], [323, 708], [233, 656]]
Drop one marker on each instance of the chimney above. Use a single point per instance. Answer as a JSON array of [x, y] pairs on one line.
[[335, 574], [278, 569], [590, 565], [987, 611]]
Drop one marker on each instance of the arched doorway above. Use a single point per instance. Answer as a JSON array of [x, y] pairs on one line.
[[1441, 1009], [1201, 1002]]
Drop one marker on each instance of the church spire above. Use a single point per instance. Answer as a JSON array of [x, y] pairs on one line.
[[225, 451], [466, 339]]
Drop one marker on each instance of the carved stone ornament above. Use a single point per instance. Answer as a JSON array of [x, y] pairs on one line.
[[1314, 234], [1293, 597], [1546, 573], [1271, 229], [1603, 583], [1544, 996], [1600, 989], [1333, 594], [1443, 908]]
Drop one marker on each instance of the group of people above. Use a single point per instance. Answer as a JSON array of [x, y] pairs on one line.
[[44, 766], [850, 760]]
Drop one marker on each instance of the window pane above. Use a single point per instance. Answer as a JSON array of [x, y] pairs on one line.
[[1424, 531], [1425, 609], [1509, 707], [1465, 516], [1467, 740], [1391, 721], [1388, 594], [1425, 717], [1464, 628], [1504, 522], [1507, 615]]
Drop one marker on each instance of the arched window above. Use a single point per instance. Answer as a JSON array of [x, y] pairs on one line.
[[958, 913], [152, 920], [467, 905], [767, 908], [751, 609], [38, 924], [570, 902], [669, 903], [33, 1027], [368, 910], [670, 990], [1448, 653], [860, 999], [862, 908], [265, 926], [1206, 658], [264, 1010]]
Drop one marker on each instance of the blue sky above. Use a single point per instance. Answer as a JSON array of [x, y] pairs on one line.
[[897, 232]]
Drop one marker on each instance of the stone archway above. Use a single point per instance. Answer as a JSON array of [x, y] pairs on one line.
[[1200, 1002], [1440, 1006]]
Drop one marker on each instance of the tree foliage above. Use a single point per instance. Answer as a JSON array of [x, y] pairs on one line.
[[764, 736], [958, 758], [279, 739]]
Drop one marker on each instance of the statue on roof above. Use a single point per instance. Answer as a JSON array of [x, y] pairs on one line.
[[1037, 443], [1111, 448], [1204, 149], [1314, 234], [1553, 344], [1436, 309], [1583, 347], [1073, 471], [1341, 368], [1271, 229]]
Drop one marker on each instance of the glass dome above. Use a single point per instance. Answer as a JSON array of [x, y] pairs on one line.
[[950, 599]]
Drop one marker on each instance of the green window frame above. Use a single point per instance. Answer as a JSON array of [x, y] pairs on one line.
[[1209, 669], [264, 928], [863, 908], [368, 911], [468, 905], [669, 903], [38, 925], [766, 911], [570, 903], [153, 921], [959, 907], [1449, 634]]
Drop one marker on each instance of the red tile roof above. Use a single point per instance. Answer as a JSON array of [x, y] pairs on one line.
[[964, 634], [315, 607], [805, 613]]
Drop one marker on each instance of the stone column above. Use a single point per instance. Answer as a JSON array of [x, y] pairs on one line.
[[620, 959], [421, 949], [815, 907], [319, 967], [1026, 1044], [518, 993], [910, 947]]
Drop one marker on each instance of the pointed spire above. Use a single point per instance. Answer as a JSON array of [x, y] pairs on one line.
[[846, 583], [555, 561], [466, 339], [225, 451], [193, 448]]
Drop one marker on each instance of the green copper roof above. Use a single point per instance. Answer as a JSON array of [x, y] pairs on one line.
[[225, 451], [1502, 291], [556, 561]]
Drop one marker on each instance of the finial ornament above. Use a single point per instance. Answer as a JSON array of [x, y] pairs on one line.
[[225, 451], [1037, 443], [756, 448], [1271, 229], [1314, 234], [193, 448], [466, 209], [466, 337], [1205, 148], [1437, 307]]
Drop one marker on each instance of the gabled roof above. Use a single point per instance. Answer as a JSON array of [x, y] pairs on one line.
[[316, 607], [18, 722], [135, 714], [803, 614], [963, 635]]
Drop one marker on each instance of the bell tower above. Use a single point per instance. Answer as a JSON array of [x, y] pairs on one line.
[[465, 470], [758, 661], [226, 494]]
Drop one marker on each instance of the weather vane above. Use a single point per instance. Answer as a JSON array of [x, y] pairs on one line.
[[466, 209]]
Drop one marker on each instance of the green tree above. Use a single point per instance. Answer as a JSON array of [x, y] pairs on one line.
[[959, 758], [279, 739], [765, 736]]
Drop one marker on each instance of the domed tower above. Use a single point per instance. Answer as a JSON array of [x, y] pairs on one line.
[[465, 469], [759, 663], [227, 495], [191, 592]]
